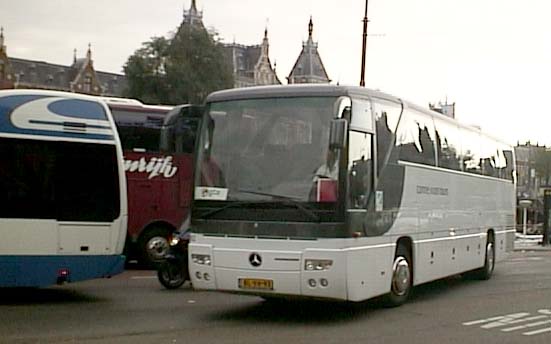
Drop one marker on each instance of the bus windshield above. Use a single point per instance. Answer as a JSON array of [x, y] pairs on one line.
[[268, 150]]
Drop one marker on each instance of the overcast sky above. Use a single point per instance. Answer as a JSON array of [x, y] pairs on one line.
[[491, 57]]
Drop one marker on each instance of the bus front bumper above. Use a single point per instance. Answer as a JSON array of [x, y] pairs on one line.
[[269, 273]]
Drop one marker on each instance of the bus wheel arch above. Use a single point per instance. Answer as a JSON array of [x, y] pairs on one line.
[[153, 243], [402, 273]]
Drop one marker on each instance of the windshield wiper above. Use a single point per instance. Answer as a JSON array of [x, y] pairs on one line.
[[287, 201], [230, 205]]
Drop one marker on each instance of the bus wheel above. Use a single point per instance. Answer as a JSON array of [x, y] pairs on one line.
[[485, 272], [154, 246], [401, 282]]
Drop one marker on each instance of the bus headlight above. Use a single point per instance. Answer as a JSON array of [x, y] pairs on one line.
[[317, 264], [174, 241], [201, 259]]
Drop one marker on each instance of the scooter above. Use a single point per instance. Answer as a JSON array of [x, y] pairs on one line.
[[173, 271]]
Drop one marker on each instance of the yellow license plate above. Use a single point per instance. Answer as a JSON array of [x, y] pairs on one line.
[[255, 283]]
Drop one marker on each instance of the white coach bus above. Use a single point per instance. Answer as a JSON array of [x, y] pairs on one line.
[[63, 208], [343, 193]]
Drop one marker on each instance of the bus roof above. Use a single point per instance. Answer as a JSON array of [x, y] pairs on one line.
[[54, 115], [134, 104], [302, 90], [326, 90]]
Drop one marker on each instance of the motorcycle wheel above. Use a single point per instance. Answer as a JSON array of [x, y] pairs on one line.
[[171, 275]]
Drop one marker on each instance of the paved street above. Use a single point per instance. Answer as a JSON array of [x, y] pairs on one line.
[[513, 307]]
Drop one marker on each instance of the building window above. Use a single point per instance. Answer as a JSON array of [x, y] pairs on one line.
[[87, 83]]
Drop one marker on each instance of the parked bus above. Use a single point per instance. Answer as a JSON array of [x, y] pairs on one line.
[[63, 208], [343, 193], [159, 180]]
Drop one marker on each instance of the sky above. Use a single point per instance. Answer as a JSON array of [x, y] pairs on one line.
[[491, 57]]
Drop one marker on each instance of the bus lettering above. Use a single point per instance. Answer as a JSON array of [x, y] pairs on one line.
[[155, 167]]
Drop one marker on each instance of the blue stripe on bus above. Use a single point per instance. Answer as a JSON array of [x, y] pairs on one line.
[[42, 271], [90, 110]]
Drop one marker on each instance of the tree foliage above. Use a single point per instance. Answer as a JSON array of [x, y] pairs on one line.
[[180, 70]]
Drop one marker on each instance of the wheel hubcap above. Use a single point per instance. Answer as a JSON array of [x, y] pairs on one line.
[[490, 257], [157, 248], [401, 276]]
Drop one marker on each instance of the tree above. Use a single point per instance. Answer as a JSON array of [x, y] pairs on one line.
[[146, 74], [184, 69]]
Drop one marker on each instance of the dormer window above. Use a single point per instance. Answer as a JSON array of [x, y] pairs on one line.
[[87, 83]]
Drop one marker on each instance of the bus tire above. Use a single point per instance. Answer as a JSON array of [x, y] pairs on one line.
[[486, 272], [402, 278], [153, 246]]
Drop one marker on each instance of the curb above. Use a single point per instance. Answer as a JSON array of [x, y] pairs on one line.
[[532, 248]]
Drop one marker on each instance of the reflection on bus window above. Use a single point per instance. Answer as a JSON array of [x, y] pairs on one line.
[[387, 115], [359, 169], [416, 138]]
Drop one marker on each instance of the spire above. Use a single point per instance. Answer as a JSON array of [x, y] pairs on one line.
[[2, 48], [265, 44], [193, 16], [308, 68], [89, 52], [75, 56]]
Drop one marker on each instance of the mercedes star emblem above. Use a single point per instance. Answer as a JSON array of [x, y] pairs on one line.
[[255, 259]]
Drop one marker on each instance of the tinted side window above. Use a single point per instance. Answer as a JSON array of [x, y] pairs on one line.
[[386, 115], [139, 139], [471, 152], [490, 157], [448, 145], [360, 167], [87, 184], [509, 163], [416, 138], [58, 180], [497, 160], [27, 179], [138, 130]]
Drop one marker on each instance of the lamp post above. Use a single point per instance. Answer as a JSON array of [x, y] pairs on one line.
[[524, 204], [546, 216], [364, 47]]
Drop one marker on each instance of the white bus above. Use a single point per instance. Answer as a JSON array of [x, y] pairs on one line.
[[63, 208], [343, 193]]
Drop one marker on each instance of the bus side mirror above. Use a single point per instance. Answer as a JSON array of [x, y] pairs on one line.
[[337, 133]]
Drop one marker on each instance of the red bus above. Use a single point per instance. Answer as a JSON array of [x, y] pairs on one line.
[[159, 179]]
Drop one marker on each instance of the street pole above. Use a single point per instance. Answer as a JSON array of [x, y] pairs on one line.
[[364, 47], [524, 215], [546, 216], [524, 203]]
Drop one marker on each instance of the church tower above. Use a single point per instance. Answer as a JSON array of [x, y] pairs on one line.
[[264, 74], [193, 16], [308, 68]]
